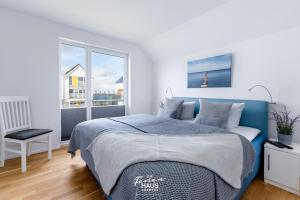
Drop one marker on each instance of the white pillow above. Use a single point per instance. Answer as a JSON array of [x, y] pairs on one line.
[[247, 132], [235, 115]]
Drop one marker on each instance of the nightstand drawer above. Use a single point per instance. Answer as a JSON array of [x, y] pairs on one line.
[[282, 168]]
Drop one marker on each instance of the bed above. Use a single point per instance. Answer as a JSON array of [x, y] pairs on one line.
[[205, 184], [255, 114]]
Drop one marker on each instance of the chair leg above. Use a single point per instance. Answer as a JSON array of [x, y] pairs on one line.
[[2, 153], [28, 148], [49, 147], [23, 157]]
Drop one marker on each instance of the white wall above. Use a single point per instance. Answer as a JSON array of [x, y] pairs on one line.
[[272, 60], [29, 65]]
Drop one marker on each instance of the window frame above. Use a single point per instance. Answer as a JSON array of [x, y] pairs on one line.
[[88, 84]]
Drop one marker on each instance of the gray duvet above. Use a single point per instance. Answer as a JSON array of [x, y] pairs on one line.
[[163, 179]]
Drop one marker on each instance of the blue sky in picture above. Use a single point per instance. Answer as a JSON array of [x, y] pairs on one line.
[[106, 69], [210, 64]]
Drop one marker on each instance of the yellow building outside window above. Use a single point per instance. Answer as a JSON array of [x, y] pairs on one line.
[[75, 82]]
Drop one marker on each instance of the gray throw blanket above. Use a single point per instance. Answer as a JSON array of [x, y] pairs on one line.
[[175, 180], [220, 153]]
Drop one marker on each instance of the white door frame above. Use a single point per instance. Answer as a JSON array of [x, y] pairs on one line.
[[125, 73], [93, 48]]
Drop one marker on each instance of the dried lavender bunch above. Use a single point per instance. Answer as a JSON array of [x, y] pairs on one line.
[[284, 121]]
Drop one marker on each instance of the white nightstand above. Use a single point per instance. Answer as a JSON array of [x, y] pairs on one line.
[[282, 167]]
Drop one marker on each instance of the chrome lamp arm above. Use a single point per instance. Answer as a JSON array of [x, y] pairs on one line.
[[271, 98]]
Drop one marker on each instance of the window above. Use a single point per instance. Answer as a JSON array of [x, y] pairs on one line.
[[92, 72], [73, 70], [81, 82], [90, 79], [107, 79]]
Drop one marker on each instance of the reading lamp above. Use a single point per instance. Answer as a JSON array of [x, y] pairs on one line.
[[168, 90], [262, 86]]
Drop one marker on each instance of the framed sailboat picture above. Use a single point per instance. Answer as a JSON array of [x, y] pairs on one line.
[[210, 72]]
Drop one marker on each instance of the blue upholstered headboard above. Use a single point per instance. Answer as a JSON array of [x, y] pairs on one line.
[[255, 113]]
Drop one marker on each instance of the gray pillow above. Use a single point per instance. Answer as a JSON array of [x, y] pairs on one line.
[[210, 109], [172, 108], [188, 109], [210, 121]]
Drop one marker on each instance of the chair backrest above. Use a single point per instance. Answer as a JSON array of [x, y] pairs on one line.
[[14, 113]]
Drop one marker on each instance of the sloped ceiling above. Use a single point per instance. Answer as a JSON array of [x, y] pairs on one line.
[[168, 28], [233, 22], [133, 20]]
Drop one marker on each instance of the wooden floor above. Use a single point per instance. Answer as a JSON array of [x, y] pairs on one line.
[[64, 178]]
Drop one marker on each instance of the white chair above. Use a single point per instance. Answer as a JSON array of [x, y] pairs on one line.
[[15, 127]]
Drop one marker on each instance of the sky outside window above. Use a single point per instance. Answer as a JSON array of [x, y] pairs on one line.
[[106, 71], [71, 56]]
